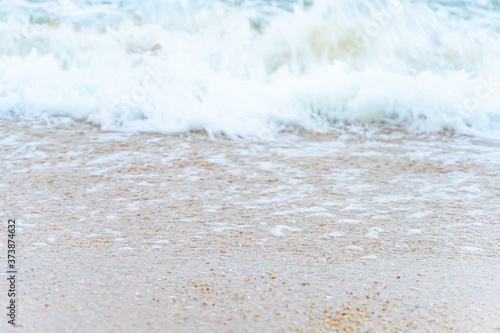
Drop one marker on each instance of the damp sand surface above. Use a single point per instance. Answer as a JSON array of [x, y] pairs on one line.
[[360, 231]]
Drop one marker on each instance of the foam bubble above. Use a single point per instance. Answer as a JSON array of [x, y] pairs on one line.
[[253, 69]]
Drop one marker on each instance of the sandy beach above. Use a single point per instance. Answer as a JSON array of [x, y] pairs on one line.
[[250, 166], [358, 232]]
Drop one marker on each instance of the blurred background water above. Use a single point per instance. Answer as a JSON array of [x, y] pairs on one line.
[[254, 68]]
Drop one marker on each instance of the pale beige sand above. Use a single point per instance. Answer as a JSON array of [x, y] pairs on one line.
[[155, 233]]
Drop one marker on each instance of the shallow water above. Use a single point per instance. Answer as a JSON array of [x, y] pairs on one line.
[[383, 230]]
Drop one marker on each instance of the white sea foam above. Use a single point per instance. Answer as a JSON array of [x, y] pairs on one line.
[[253, 69], [278, 230]]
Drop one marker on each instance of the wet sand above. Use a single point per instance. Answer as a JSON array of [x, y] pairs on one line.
[[363, 232]]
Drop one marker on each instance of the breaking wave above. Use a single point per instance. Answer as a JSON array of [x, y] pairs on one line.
[[254, 68]]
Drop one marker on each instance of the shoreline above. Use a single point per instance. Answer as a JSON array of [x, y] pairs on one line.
[[149, 232]]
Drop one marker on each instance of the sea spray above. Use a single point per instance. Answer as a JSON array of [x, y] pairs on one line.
[[253, 68]]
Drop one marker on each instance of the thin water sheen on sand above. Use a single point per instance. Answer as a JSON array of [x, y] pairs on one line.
[[151, 233]]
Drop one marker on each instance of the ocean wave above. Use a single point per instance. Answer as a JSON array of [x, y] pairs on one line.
[[254, 68]]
